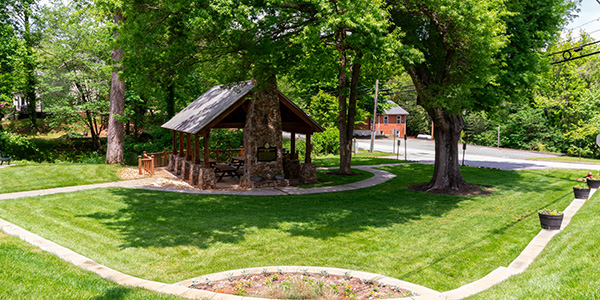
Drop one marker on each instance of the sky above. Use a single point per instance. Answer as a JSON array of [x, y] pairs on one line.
[[588, 19]]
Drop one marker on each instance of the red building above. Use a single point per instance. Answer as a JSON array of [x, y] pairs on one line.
[[393, 121]]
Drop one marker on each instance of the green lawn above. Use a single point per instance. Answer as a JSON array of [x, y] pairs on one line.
[[332, 180], [566, 269], [360, 159], [568, 159], [43, 176], [26, 272], [438, 241]]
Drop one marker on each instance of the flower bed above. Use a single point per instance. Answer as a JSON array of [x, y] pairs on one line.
[[302, 285]]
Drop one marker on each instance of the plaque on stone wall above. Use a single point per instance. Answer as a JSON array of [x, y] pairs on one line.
[[266, 153]]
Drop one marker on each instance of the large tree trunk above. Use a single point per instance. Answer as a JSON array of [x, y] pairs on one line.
[[114, 149], [447, 129], [446, 175]]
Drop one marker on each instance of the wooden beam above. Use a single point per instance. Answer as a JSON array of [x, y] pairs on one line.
[[196, 149], [295, 110], [206, 159], [174, 142], [180, 144], [308, 150], [188, 152], [293, 145], [222, 116]]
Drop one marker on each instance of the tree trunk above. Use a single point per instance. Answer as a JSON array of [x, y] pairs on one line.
[[30, 76], [446, 175], [171, 101], [114, 150]]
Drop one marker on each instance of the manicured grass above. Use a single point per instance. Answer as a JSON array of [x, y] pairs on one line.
[[26, 272], [331, 180], [568, 159], [43, 176], [566, 269], [438, 241], [360, 159]]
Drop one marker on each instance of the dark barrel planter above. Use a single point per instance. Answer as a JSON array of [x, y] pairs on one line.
[[593, 184], [551, 222], [581, 193]]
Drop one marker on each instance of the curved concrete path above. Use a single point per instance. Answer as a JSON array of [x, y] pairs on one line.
[[519, 265]]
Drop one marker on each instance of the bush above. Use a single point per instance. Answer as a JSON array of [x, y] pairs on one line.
[[326, 142]]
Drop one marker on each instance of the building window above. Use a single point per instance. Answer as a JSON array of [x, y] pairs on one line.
[[385, 120], [398, 119]]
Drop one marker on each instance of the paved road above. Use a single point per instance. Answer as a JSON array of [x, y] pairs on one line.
[[506, 159]]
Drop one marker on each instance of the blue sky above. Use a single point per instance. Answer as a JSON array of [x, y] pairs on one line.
[[588, 19]]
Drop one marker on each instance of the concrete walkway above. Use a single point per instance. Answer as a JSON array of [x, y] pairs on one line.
[[519, 265]]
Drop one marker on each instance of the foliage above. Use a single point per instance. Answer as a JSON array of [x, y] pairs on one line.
[[551, 212], [326, 142], [76, 75], [528, 128]]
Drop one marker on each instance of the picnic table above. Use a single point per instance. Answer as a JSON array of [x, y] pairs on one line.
[[226, 170]]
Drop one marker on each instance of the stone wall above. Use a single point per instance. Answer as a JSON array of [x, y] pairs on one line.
[[308, 173], [263, 127]]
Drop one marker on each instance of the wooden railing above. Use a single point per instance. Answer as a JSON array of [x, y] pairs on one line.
[[161, 159], [146, 163]]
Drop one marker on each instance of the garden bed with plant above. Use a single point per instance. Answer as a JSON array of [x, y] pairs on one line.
[[303, 285]]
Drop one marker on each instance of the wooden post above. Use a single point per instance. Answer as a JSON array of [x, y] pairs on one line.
[[165, 160], [181, 144], [174, 138], [196, 149], [206, 159], [152, 164], [188, 151], [308, 149], [140, 163], [293, 145]]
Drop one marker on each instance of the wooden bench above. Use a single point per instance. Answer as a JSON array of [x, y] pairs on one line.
[[4, 158], [225, 170]]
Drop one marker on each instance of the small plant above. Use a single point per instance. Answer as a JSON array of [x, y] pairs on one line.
[[194, 282], [230, 276], [266, 272], [347, 275], [304, 271], [240, 290], [280, 270], [550, 212], [207, 281], [245, 274], [581, 187], [324, 273]]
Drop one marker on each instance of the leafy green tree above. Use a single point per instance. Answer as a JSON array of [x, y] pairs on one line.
[[74, 61], [458, 41], [22, 16]]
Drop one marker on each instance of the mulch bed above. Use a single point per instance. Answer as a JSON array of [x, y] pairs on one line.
[[302, 286]]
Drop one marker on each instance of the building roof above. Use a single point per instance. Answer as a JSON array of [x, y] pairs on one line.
[[225, 106], [395, 109]]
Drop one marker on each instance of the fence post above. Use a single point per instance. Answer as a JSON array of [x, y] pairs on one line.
[[152, 164], [140, 164]]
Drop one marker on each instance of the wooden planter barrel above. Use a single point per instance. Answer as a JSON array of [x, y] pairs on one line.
[[593, 184], [581, 193], [551, 222]]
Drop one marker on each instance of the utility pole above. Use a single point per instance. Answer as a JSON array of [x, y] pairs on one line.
[[374, 116]]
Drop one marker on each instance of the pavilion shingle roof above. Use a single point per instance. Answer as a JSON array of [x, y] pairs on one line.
[[215, 105], [209, 106]]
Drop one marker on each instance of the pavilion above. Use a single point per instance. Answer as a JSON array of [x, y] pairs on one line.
[[227, 106]]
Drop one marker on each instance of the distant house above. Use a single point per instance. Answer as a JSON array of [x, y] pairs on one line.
[[393, 121]]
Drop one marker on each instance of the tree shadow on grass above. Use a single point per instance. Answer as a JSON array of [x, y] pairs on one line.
[[166, 219]]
